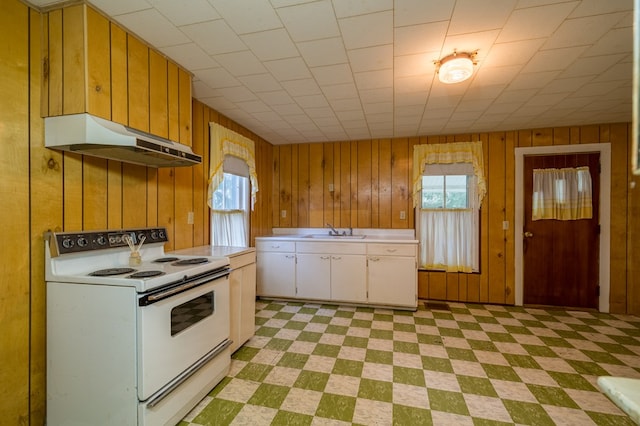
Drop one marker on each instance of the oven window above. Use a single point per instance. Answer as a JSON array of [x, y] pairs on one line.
[[191, 312]]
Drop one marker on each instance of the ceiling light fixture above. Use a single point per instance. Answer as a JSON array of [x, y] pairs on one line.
[[456, 67]]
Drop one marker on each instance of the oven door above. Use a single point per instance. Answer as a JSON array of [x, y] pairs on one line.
[[177, 327]]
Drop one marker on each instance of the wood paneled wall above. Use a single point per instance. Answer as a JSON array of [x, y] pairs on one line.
[[43, 189], [366, 184]]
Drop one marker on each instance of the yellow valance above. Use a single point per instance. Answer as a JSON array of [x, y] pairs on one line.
[[223, 142], [448, 153]]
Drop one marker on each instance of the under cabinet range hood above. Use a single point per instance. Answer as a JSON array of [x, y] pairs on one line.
[[90, 135]]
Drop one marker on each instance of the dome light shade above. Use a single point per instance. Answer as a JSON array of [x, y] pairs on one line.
[[456, 67]]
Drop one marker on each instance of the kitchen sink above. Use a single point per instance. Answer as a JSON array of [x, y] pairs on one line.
[[336, 237]]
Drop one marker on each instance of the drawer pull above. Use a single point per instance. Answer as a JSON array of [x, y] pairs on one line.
[[392, 250], [275, 246]]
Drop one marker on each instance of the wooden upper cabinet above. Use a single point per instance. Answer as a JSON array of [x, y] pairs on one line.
[[93, 65]]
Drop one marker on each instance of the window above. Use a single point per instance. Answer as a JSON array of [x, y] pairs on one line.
[[448, 223], [230, 212]]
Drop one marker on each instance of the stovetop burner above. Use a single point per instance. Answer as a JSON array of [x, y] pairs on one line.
[[111, 271], [146, 274], [192, 261], [165, 259]]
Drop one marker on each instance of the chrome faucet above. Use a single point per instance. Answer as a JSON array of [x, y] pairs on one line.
[[333, 231]]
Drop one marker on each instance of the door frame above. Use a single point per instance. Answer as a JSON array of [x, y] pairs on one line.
[[605, 212]]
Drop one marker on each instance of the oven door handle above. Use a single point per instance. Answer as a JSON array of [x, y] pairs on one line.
[[180, 288]]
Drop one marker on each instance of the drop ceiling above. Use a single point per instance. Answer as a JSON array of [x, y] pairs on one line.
[[297, 71]]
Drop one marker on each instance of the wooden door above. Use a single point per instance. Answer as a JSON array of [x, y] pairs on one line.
[[561, 257]]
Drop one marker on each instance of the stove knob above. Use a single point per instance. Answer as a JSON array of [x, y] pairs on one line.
[[161, 234], [140, 235], [154, 235], [101, 240], [82, 242], [67, 243]]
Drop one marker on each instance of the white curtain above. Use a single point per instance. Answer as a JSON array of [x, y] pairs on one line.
[[228, 228], [452, 237], [562, 194]]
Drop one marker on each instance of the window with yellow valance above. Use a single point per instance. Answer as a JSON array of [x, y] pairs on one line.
[[225, 142]]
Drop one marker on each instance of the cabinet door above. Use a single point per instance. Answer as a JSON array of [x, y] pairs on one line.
[[235, 307], [276, 274], [313, 274], [392, 280], [349, 278], [248, 304]]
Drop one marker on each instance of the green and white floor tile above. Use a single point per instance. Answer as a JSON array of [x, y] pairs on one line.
[[316, 364]]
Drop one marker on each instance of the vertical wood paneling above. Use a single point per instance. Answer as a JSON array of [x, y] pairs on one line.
[[336, 180], [303, 186], [316, 185], [484, 231], [184, 106], [183, 233], [14, 213], [294, 185], [509, 216], [119, 97], [73, 60], [158, 95], [200, 209], [138, 83], [619, 222], [285, 185], [114, 194], [134, 195], [72, 166], [54, 62], [173, 92], [495, 203], [399, 182], [364, 184], [45, 183], [344, 185], [384, 183], [98, 65], [375, 184], [94, 196], [152, 196], [275, 214], [166, 204], [327, 177]]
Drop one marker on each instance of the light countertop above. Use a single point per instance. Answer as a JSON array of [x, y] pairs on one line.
[[359, 235], [216, 251], [624, 392]]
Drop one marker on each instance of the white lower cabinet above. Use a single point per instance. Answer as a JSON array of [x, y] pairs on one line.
[[276, 269], [364, 273], [349, 278], [242, 288], [313, 276]]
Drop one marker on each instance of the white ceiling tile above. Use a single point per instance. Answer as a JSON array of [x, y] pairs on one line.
[[288, 69], [347, 104], [310, 21], [495, 75], [270, 45], [360, 7], [411, 65], [288, 109], [214, 37], [312, 101], [417, 83], [332, 74], [340, 91], [371, 58], [533, 80], [590, 66], [565, 85], [512, 53], [597, 7], [241, 63], [420, 38], [411, 12], [253, 106], [190, 56], [307, 86], [248, 16], [535, 22], [374, 79], [370, 96], [217, 77], [260, 82], [411, 98], [619, 40], [619, 72], [378, 108], [555, 59], [480, 42], [470, 16], [582, 31], [118, 7], [328, 51], [178, 14], [279, 97], [202, 89], [152, 27], [237, 94], [357, 31]]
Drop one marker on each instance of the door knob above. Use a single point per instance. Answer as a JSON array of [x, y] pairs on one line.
[[528, 234]]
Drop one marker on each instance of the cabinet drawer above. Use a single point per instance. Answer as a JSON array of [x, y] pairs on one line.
[[331, 248], [242, 260], [392, 249], [276, 245]]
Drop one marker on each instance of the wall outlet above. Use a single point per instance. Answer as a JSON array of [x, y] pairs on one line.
[[505, 225], [403, 215], [330, 187], [190, 218], [283, 213]]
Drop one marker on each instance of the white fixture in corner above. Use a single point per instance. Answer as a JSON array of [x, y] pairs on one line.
[[456, 67]]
